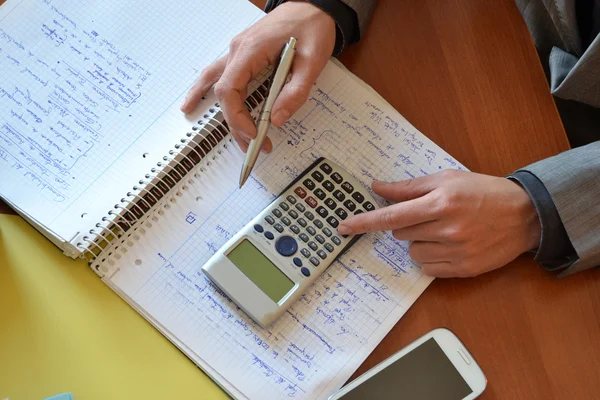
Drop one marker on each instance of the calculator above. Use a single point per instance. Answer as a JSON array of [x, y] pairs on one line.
[[268, 264]]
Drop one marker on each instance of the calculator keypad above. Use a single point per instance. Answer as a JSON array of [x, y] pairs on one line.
[[332, 198]]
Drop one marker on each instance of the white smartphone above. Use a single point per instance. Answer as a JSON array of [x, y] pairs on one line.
[[435, 366]]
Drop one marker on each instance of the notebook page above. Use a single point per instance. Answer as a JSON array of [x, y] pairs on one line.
[[82, 87], [314, 348]]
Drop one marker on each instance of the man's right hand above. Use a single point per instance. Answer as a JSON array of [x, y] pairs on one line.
[[259, 46]]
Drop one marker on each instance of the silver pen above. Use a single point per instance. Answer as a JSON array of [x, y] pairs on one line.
[[264, 120]]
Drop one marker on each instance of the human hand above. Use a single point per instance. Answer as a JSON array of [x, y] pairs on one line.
[[461, 224], [259, 46]]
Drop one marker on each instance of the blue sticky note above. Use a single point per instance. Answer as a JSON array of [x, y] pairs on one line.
[[62, 396]]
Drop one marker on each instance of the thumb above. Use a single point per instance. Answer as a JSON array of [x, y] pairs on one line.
[[405, 190], [295, 93]]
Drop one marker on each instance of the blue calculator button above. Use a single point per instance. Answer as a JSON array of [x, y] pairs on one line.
[[269, 235], [297, 262], [305, 271], [258, 228], [286, 245]]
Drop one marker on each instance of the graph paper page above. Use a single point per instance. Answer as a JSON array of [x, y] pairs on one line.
[[315, 347], [82, 86]]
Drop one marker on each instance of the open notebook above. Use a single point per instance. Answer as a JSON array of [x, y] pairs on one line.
[[95, 153]]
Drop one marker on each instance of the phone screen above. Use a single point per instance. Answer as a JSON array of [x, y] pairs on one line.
[[423, 374]]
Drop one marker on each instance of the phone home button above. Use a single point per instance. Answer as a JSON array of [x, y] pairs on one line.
[[464, 356]]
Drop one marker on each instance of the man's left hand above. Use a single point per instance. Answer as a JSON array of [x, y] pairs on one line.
[[460, 224]]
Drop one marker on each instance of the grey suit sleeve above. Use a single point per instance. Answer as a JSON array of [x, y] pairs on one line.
[[363, 9], [573, 180]]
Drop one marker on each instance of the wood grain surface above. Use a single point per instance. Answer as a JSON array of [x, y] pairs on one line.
[[466, 74]]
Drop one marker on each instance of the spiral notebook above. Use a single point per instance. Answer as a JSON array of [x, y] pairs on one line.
[[95, 153]]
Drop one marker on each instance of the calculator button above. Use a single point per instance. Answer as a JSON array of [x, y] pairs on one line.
[[327, 232], [305, 253], [326, 168], [368, 206], [347, 187], [300, 207], [309, 184], [286, 221], [315, 261], [278, 228], [329, 247], [309, 215], [329, 186], [300, 192], [277, 213], [313, 246], [297, 262], [322, 211], [291, 199], [305, 271], [286, 245], [302, 222], [339, 195], [295, 229], [269, 235], [317, 176], [320, 239], [311, 201], [337, 178], [333, 222], [293, 214], [349, 204], [358, 197], [358, 212], [341, 213], [269, 219], [258, 228], [330, 203], [311, 230], [304, 237], [284, 206], [336, 240], [322, 254], [318, 223], [320, 193]]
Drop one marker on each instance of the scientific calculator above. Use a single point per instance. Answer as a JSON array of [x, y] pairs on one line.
[[266, 266]]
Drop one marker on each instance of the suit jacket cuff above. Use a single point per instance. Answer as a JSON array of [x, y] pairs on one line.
[[572, 178], [346, 21], [555, 250]]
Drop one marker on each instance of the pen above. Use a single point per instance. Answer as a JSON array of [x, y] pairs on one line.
[[264, 119]]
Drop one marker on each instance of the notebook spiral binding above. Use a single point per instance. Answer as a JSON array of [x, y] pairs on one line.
[[163, 184]]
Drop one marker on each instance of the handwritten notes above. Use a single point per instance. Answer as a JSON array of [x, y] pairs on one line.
[[61, 83], [83, 86], [325, 336]]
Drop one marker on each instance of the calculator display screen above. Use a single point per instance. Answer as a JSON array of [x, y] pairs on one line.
[[260, 270]]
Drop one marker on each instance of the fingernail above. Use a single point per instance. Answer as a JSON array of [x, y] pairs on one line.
[[344, 230], [183, 105], [280, 117]]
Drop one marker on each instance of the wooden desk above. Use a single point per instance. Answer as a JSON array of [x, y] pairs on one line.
[[466, 74]]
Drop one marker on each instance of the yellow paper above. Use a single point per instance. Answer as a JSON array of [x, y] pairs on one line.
[[63, 330]]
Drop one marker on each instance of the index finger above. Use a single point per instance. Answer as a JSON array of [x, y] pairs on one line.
[[395, 216], [232, 87]]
